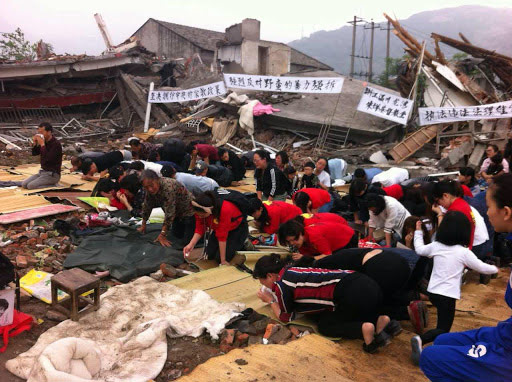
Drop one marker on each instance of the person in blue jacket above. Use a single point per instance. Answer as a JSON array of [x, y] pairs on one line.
[[483, 354]]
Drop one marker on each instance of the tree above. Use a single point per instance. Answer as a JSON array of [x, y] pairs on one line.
[[392, 64], [13, 46]]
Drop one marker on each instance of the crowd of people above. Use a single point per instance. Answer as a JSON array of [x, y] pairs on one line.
[[358, 264]]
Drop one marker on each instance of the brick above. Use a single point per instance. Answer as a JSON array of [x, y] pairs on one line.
[[254, 340], [21, 261], [270, 330], [280, 336], [241, 339], [294, 330], [225, 348], [228, 337], [32, 260]]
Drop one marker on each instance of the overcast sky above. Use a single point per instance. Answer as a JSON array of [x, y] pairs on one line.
[[70, 26]]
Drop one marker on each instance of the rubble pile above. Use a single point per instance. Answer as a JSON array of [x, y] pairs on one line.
[[35, 245]]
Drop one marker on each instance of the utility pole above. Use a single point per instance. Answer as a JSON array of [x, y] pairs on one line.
[[370, 66], [352, 56], [353, 47], [388, 29]]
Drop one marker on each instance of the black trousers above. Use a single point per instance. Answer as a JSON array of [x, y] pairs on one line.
[[183, 230], [234, 243], [445, 315], [353, 243], [358, 299], [389, 270]]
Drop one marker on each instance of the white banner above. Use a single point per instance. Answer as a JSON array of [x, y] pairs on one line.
[[205, 91], [385, 105], [284, 84], [433, 115]]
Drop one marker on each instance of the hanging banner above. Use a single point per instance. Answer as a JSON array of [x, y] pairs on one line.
[[284, 84], [433, 115], [384, 105], [205, 91]]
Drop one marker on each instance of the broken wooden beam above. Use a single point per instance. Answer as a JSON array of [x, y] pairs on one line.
[[125, 107], [463, 38], [405, 36], [414, 142], [136, 95]]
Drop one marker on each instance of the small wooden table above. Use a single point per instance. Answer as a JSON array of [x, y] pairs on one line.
[[75, 282]]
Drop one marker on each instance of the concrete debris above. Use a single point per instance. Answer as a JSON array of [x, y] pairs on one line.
[[378, 158]]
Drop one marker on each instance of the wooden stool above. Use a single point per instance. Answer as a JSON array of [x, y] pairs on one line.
[[75, 282]]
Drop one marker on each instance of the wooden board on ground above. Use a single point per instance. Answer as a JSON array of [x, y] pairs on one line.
[[294, 361], [33, 213], [19, 202]]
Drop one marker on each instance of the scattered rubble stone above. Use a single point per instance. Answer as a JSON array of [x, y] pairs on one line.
[[255, 340], [280, 335], [241, 361]]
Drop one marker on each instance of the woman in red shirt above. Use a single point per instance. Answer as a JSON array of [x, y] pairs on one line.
[[227, 226], [270, 215], [448, 194], [322, 217], [316, 239], [313, 200]]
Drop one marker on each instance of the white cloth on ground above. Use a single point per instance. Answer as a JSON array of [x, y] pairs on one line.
[[67, 360], [392, 176], [235, 99], [129, 328], [246, 119]]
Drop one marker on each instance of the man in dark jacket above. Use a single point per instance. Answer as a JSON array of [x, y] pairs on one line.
[[50, 150]]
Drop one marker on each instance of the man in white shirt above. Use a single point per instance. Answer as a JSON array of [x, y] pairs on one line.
[[324, 178]]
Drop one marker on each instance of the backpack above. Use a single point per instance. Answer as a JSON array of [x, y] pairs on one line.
[[6, 271], [237, 198]]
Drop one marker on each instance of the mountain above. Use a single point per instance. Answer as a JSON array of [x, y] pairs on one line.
[[485, 27]]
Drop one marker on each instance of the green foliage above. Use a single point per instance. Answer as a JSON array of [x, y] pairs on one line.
[[392, 65], [13, 46], [459, 56]]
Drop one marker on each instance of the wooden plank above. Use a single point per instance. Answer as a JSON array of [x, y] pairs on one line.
[[34, 213], [414, 142], [141, 99], [20, 202]]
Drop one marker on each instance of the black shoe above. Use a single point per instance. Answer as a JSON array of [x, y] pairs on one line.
[[393, 328], [382, 339], [371, 348], [485, 279]]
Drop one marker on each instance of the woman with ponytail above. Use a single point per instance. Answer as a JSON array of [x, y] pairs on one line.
[[225, 223]]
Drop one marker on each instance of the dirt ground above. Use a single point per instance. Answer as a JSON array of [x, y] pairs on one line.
[[481, 305]]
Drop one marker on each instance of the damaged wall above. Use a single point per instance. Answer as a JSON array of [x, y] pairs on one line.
[[164, 42], [256, 57]]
